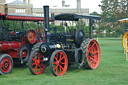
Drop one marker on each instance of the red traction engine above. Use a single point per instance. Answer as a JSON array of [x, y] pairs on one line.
[[15, 46], [61, 50]]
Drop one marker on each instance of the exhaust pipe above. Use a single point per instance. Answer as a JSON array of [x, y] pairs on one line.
[[46, 19]]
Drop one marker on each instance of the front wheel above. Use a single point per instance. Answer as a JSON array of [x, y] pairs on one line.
[[58, 63], [6, 64], [36, 63]]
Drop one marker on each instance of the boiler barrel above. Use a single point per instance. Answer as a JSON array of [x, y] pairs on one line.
[[6, 46]]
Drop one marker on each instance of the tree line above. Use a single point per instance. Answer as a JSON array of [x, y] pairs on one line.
[[112, 11]]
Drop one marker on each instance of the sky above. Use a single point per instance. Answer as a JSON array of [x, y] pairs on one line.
[[91, 4]]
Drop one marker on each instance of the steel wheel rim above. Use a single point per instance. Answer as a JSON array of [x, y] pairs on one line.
[[93, 54], [60, 63], [6, 65], [123, 41], [36, 64], [32, 36]]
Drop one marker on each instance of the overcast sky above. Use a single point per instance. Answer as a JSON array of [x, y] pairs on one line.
[[91, 4]]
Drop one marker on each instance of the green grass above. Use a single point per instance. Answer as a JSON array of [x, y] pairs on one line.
[[113, 70]]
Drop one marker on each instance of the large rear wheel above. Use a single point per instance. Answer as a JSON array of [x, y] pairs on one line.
[[58, 63], [6, 64], [36, 63], [92, 54]]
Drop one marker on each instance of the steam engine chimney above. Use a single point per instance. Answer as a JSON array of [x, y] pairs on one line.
[[46, 20], [63, 3], [79, 5]]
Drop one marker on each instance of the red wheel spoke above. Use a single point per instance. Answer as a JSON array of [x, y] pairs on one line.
[[56, 67], [56, 70], [95, 52], [61, 67], [93, 56], [61, 58], [40, 66], [35, 68], [56, 56], [90, 48], [55, 63], [61, 54], [56, 59], [33, 59], [63, 63], [93, 60], [33, 64]]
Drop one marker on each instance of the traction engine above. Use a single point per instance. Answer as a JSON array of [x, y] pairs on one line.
[[15, 49], [61, 50], [15, 46]]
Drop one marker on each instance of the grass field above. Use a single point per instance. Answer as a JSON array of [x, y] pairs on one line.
[[113, 70]]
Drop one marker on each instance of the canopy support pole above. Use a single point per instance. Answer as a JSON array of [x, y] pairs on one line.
[[90, 28]]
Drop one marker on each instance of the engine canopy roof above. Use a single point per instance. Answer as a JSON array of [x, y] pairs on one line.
[[74, 17], [21, 17]]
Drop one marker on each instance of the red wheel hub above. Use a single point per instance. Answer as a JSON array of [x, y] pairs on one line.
[[37, 66], [60, 63], [93, 54], [6, 65]]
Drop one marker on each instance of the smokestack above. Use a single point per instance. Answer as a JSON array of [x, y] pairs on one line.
[[79, 5], [46, 19], [63, 3]]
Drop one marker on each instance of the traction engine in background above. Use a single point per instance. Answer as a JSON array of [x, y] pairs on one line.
[[15, 49], [15, 46]]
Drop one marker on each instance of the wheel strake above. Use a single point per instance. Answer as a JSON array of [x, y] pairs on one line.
[[92, 53], [79, 57], [58, 63]]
